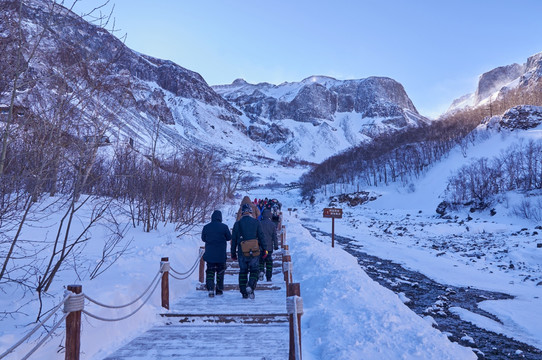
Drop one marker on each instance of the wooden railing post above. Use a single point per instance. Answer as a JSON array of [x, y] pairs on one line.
[[286, 259], [165, 285], [73, 329], [294, 289], [202, 267]]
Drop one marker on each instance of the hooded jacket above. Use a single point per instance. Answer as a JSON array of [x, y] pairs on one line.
[[247, 228], [255, 211], [269, 230], [215, 235]]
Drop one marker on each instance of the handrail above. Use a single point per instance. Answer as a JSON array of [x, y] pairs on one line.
[[190, 271], [30, 333], [126, 316], [294, 302], [128, 304], [294, 306], [75, 302]]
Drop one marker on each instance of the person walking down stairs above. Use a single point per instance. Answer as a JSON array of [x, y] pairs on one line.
[[215, 235], [246, 246]]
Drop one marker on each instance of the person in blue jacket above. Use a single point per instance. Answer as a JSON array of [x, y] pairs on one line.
[[215, 235], [247, 228]]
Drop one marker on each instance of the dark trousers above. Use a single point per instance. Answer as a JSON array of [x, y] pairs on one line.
[[266, 265], [248, 272], [219, 269]]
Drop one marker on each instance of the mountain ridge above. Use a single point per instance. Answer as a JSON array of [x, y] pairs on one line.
[[139, 94], [497, 83], [337, 114]]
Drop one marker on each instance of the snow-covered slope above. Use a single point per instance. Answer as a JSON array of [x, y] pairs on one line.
[[496, 83], [85, 76], [320, 116], [138, 96]]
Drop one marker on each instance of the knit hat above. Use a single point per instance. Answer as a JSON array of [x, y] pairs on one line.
[[246, 209]]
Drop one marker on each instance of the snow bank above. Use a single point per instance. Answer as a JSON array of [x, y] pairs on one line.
[[349, 316]]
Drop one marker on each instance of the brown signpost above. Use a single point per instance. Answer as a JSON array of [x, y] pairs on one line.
[[333, 213]]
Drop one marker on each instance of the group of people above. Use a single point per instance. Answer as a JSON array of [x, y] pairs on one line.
[[253, 240], [272, 204]]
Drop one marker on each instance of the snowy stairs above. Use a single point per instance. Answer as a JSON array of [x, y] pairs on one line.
[[223, 327]]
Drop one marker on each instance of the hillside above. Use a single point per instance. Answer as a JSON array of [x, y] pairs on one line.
[[345, 312], [99, 85], [504, 87], [321, 116], [103, 88]]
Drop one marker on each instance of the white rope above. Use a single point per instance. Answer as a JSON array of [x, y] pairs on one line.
[[45, 338], [191, 270], [164, 266], [285, 266], [186, 277], [127, 316], [294, 306], [130, 303], [4, 354], [291, 270], [75, 302]]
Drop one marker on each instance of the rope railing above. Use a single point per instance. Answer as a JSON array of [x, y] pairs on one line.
[[126, 316], [131, 302], [74, 303], [31, 332], [190, 271], [49, 334]]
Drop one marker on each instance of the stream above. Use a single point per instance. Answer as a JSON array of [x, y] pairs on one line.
[[429, 298]]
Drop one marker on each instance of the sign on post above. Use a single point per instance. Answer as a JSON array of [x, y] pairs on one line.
[[333, 213]]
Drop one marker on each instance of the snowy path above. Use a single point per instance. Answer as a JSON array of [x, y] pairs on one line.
[[223, 327]]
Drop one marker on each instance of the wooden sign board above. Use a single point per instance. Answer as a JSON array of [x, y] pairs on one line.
[[334, 213]]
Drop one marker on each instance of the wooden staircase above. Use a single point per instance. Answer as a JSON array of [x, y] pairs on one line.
[[223, 327]]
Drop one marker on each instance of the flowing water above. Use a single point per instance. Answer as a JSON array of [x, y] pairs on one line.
[[429, 298]]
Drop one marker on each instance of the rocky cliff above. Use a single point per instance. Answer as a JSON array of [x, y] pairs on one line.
[[76, 73], [522, 79], [67, 60], [335, 114]]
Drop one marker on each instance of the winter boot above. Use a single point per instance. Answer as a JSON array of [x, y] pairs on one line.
[[219, 292], [250, 292], [260, 276], [211, 293]]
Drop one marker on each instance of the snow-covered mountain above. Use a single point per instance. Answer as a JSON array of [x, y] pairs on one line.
[[319, 116], [111, 84], [138, 96], [496, 83]]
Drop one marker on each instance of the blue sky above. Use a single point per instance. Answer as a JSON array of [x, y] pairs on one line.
[[436, 49]]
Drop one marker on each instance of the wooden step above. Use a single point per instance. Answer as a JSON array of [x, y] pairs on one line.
[[228, 318], [235, 287], [231, 271], [235, 265], [208, 341]]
